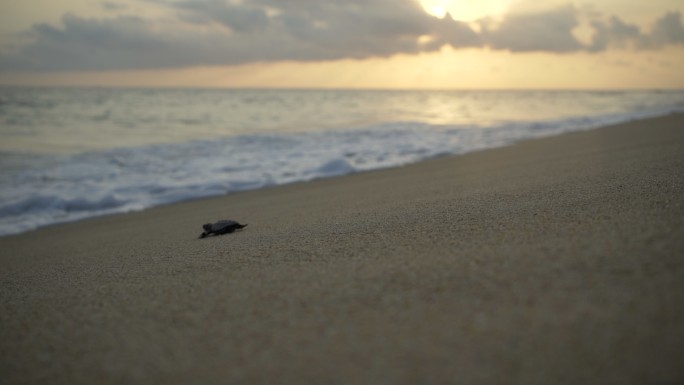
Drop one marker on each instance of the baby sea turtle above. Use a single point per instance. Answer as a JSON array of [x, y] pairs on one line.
[[221, 227]]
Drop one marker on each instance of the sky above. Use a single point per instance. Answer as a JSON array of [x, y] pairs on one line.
[[434, 44]]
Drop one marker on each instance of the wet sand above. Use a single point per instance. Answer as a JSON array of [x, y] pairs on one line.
[[553, 261]]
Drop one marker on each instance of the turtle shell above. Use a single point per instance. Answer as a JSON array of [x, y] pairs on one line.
[[225, 225]]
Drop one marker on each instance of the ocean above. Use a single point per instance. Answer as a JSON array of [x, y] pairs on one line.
[[73, 153]]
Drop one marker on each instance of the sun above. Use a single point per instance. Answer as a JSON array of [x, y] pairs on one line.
[[465, 10], [435, 7]]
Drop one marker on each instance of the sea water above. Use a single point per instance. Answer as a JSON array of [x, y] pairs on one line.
[[73, 153]]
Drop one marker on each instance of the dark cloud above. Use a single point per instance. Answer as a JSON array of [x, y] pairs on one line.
[[616, 33], [223, 32], [113, 6], [667, 30], [548, 30], [239, 18], [116, 43], [219, 32], [447, 31]]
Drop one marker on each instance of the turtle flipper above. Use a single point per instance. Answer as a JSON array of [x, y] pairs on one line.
[[203, 235]]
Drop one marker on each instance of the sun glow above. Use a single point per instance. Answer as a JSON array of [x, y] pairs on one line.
[[465, 10], [436, 7]]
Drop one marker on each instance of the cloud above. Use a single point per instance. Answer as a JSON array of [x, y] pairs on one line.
[[103, 44], [548, 30], [239, 18], [667, 30], [614, 33], [219, 32], [113, 6], [225, 32]]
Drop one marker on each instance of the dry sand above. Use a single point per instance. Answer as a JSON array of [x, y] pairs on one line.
[[554, 261]]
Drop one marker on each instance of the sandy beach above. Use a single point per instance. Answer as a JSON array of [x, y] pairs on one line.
[[553, 261]]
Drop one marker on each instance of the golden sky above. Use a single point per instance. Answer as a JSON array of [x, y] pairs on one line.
[[343, 44]]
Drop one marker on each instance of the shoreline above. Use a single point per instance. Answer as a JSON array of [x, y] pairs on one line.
[[554, 260], [323, 177]]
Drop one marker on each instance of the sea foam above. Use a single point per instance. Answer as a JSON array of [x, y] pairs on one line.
[[42, 188]]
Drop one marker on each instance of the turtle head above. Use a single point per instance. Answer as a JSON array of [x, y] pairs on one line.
[[207, 227]]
